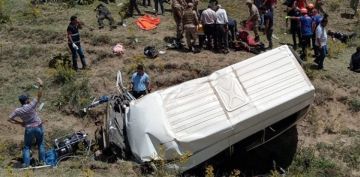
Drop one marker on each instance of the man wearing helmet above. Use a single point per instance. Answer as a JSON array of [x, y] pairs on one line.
[[306, 28]]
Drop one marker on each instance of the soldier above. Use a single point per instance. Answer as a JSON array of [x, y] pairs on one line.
[[195, 4], [190, 21], [104, 13], [177, 9]]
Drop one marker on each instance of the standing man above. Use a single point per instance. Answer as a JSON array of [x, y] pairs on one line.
[[177, 7], [133, 5], [321, 43], [140, 82], [161, 3], [74, 42], [104, 13], [190, 21], [208, 20], [306, 28], [148, 3], [317, 18], [294, 26], [30, 120], [269, 23], [222, 41], [254, 18]]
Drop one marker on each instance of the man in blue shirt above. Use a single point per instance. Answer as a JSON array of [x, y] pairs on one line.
[[140, 82], [306, 26]]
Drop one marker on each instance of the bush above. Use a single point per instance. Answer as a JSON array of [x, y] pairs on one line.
[[335, 48], [355, 105], [4, 18], [64, 74], [75, 95], [334, 5]]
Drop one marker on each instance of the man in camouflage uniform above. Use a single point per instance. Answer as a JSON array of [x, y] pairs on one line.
[[104, 13], [195, 4], [177, 7], [190, 21]]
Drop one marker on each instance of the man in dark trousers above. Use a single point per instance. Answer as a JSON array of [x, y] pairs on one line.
[[148, 3], [133, 5], [306, 28], [208, 20], [294, 25], [30, 120], [268, 23], [140, 82], [161, 4], [74, 42], [102, 12]]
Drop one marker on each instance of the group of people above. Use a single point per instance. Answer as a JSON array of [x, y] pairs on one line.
[[213, 28]]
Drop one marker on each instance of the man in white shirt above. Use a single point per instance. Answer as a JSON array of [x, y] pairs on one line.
[[321, 43], [221, 39], [208, 20]]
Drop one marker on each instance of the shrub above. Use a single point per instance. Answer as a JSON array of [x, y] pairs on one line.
[[334, 5], [64, 74], [355, 105], [75, 95], [101, 40], [4, 18], [335, 48]]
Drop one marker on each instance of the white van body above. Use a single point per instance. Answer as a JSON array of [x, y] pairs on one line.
[[208, 115]]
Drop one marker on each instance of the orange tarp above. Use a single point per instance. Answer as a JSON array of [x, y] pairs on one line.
[[147, 22]]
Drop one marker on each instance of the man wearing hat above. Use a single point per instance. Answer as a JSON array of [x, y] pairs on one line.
[[27, 117]]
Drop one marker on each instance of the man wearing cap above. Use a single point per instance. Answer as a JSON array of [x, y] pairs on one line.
[[74, 42], [32, 123], [190, 21], [254, 18], [140, 82]]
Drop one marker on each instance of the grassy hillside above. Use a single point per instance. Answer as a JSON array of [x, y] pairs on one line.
[[329, 135]]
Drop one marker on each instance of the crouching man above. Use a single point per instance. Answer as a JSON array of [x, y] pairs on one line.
[[32, 123]]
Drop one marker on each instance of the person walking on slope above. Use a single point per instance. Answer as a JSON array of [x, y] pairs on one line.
[[30, 120], [294, 26], [321, 43], [254, 18], [190, 21], [74, 42], [140, 82]]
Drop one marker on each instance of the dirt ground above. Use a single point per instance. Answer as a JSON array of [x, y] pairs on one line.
[[35, 34]]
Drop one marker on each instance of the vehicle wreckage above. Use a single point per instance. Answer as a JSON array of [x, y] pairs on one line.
[[266, 94]]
